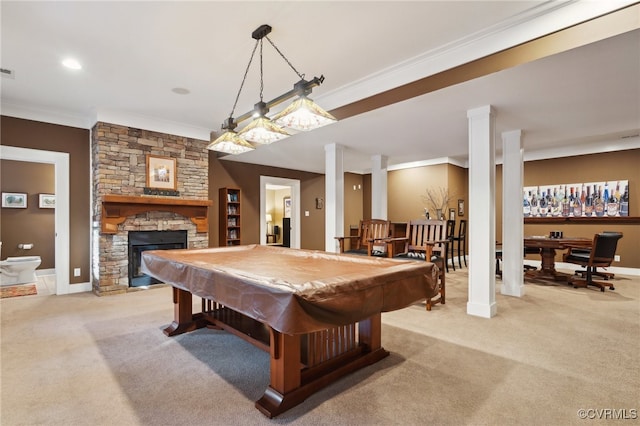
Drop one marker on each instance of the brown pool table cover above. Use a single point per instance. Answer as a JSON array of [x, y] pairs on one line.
[[294, 291]]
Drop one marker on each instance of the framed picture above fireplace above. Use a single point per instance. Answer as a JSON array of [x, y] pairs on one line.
[[161, 172]]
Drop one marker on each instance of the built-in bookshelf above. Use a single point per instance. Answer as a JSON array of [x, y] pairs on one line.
[[229, 218]]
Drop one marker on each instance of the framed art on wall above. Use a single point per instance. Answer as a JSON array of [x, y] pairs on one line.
[[287, 206], [161, 172], [14, 200], [47, 201]]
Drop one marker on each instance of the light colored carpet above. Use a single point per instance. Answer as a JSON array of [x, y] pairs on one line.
[[85, 360]]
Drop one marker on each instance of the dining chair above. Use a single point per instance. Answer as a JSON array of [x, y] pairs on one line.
[[451, 230], [461, 240]]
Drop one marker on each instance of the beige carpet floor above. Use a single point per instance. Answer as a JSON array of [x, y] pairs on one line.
[[85, 360]]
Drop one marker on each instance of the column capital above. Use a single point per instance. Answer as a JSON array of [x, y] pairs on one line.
[[481, 111]]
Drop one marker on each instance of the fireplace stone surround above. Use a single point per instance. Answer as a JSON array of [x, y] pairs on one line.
[[119, 169]]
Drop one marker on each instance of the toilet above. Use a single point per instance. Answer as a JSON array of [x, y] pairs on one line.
[[19, 270]]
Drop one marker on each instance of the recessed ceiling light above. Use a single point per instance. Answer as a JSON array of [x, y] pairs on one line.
[[72, 64], [180, 91]]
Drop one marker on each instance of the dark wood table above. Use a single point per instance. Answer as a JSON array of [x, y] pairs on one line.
[[548, 247], [318, 314]]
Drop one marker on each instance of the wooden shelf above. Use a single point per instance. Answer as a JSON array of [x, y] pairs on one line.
[[116, 209], [229, 211], [622, 220]]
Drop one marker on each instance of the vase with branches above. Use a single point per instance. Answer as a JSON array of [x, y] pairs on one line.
[[437, 201]]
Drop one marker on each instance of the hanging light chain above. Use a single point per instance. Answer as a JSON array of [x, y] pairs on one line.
[[261, 79], [285, 58], [244, 78]]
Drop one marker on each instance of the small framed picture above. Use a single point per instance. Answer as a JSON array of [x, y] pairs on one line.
[[47, 201], [452, 214], [161, 172], [14, 200], [287, 206], [460, 207]]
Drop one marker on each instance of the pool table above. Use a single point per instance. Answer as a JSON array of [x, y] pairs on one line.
[[318, 314]]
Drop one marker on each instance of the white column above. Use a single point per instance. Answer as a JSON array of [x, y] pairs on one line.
[[334, 196], [512, 216], [379, 187], [482, 228]]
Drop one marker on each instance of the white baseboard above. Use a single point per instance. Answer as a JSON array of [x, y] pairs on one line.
[[572, 267]]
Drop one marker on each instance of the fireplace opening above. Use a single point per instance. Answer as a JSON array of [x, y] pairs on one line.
[[140, 241]]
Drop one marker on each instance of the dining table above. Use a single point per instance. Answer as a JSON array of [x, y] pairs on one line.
[[548, 246]]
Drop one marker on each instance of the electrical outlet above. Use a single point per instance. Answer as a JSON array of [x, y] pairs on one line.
[[616, 258], [76, 272]]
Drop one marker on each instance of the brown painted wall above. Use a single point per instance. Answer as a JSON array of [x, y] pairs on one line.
[[405, 189], [586, 168], [74, 141], [246, 177], [32, 225]]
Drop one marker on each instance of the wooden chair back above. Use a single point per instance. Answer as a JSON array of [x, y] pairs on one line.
[[368, 230], [427, 235]]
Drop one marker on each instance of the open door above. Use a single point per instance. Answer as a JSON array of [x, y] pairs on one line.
[[280, 211]]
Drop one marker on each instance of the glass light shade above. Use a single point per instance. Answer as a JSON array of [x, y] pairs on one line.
[[263, 131], [303, 114], [269, 218], [230, 143]]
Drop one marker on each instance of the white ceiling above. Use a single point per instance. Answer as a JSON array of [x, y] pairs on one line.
[[134, 53]]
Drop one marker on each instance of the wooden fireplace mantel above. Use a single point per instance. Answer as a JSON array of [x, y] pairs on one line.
[[116, 208]]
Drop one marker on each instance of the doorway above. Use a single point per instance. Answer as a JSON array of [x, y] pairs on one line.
[[60, 161], [284, 188]]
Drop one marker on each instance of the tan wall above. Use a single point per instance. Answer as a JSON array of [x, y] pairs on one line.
[[407, 188], [32, 225], [51, 137], [458, 190], [353, 200]]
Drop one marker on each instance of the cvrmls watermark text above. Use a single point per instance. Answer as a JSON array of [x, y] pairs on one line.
[[608, 413]]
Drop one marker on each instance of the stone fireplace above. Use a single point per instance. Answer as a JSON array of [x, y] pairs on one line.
[[120, 205]]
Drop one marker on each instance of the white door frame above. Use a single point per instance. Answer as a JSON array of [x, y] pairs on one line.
[[60, 160], [294, 185]]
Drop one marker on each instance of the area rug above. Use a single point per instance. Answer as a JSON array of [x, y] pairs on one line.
[[17, 290]]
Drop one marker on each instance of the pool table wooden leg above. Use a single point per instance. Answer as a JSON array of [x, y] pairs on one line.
[[288, 389], [183, 318]]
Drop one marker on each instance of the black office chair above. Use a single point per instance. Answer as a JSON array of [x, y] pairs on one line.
[[602, 274], [601, 254], [461, 239]]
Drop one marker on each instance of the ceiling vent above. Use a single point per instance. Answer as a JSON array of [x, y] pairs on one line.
[[7, 73]]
